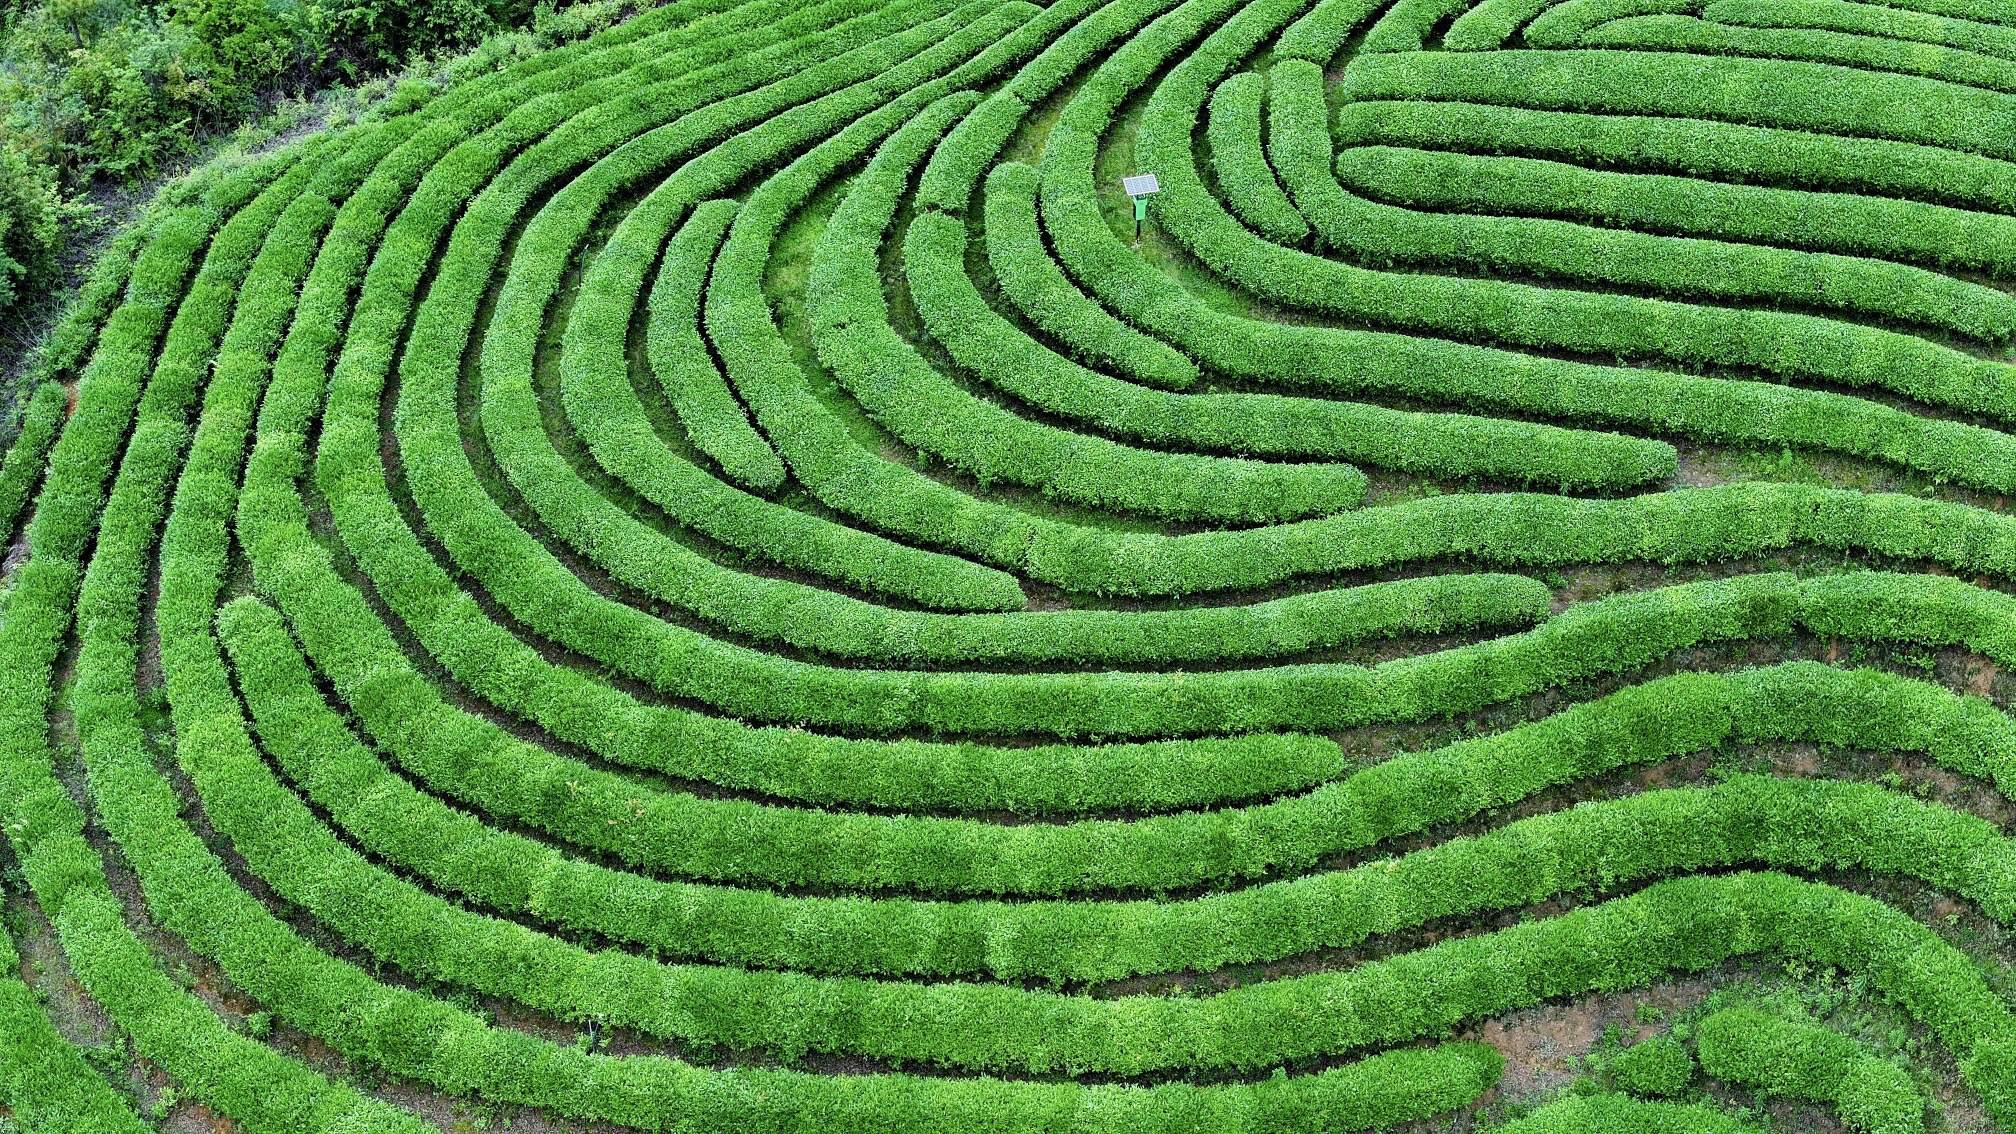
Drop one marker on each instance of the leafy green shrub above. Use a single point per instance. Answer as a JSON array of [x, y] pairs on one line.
[[1601, 1114], [1659, 1066], [1805, 1060]]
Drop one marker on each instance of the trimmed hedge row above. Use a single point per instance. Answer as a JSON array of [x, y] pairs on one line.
[[1676, 266], [714, 420], [1729, 522], [1031, 280], [40, 418], [687, 112], [598, 397], [1605, 1114], [1428, 444], [1491, 24], [1704, 408], [1058, 941], [1758, 92], [404, 925], [1983, 11], [1689, 147], [1406, 25], [169, 1025], [925, 408], [469, 759], [1685, 33], [169, 857], [1239, 160], [1837, 222], [1765, 810], [1799, 1058], [1319, 34], [1707, 408], [955, 168], [1442, 444], [791, 763], [1563, 25], [979, 339], [275, 1093], [1970, 34], [45, 1083]]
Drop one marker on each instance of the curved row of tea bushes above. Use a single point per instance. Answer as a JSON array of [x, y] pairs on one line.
[[208, 493], [1318, 34], [1839, 222], [1687, 267], [1693, 147], [1868, 19], [1733, 523], [1690, 526], [1854, 823], [835, 466], [1705, 408], [536, 705], [1601, 1114], [614, 424], [713, 419], [1564, 25], [1804, 1060], [1031, 280], [22, 467], [1490, 24], [235, 1076], [593, 382], [174, 867], [45, 1082], [479, 765], [985, 343], [1090, 940], [467, 958], [1407, 24], [1981, 11], [1684, 33], [1756, 92], [279, 847], [1580, 321], [1239, 160], [928, 410]]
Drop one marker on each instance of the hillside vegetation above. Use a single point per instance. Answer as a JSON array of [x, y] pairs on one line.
[[708, 581]]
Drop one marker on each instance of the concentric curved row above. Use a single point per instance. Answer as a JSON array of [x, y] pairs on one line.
[[718, 536]]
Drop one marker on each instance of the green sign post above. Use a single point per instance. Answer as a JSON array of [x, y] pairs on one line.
[[1138, 187]]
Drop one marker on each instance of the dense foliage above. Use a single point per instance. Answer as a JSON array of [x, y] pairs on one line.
[[97, 93], [707, 579]]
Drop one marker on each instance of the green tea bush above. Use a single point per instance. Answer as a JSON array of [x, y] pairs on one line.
[[1802, 1059], [1660, 1066], [705, 580]]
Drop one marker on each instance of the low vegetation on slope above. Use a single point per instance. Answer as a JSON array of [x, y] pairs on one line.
[[709, 580]]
